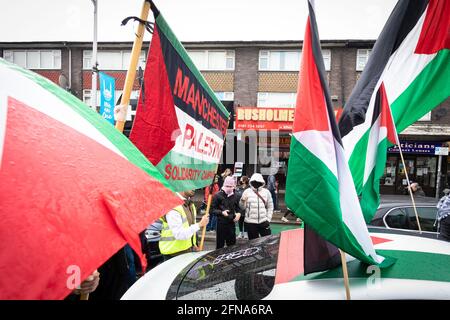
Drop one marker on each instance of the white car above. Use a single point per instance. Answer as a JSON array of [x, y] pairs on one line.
[[272, 268]]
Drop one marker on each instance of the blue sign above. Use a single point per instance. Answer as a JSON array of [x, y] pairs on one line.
[[416, 147], [107, 89]]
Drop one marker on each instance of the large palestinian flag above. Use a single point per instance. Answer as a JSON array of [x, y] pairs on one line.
[[180, 124], [319, 186], [408, 72], [73, 190]]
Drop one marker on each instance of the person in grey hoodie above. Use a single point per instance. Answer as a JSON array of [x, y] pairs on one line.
[[258, 205]]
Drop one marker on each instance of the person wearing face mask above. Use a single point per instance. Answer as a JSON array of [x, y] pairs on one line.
[[179, 229], [258, 205], [225, 206]]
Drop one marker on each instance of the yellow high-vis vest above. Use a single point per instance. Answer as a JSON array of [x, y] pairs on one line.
[[168, 244]]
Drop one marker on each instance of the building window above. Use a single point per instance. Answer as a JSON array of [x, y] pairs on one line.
[[362, 56], [326, 53], [111, 60], [221, 60], [34, 59], [276, 99], [271, 60]]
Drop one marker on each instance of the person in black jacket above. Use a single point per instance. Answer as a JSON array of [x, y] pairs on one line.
[[225, 206], [243, 185]]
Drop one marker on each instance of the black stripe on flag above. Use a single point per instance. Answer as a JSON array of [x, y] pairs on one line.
[[154, 9], [376, 107], [319, 254]]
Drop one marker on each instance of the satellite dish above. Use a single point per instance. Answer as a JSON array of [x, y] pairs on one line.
[[63, 82]]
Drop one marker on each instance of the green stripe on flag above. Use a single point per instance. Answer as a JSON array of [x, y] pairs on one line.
[[370, 194], [315, 198], [357, 161]]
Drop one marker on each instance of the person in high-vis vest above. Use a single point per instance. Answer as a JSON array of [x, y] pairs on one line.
[[179, 231]]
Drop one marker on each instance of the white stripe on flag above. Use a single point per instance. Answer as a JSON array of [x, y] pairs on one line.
[[404, 65], [208, 139], [354, 136], [319, 143]]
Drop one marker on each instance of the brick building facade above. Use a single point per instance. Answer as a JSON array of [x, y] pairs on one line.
[[249, 74]]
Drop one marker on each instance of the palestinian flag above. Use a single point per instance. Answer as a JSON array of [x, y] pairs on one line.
[[319, 186], [180, 124], [407, 75]]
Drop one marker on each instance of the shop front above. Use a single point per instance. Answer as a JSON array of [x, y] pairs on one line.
[[424, 162], [267, 134]]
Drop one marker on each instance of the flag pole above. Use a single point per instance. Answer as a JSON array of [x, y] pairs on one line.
[[207, 214], [397, 140], [131, 73], [345, 274], [409, 185]]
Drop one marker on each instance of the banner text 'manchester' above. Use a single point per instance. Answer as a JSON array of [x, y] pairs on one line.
[[187, 91]]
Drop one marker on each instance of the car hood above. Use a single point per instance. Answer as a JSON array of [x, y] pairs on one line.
[[420, 272], [155, 284]]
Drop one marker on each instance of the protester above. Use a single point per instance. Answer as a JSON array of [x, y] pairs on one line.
[[226, 207], [150, 244], [243, 185], [258, 205], [179, 231], [443, 216], [114, 277], [417, 190], [227, 172], [212, 189]]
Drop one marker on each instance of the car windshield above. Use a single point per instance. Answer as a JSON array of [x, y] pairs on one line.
[[234, 273]]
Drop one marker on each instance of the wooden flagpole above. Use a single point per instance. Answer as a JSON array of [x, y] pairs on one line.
[[345, 274], [409, 186], [84, 296], [131, 73]]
